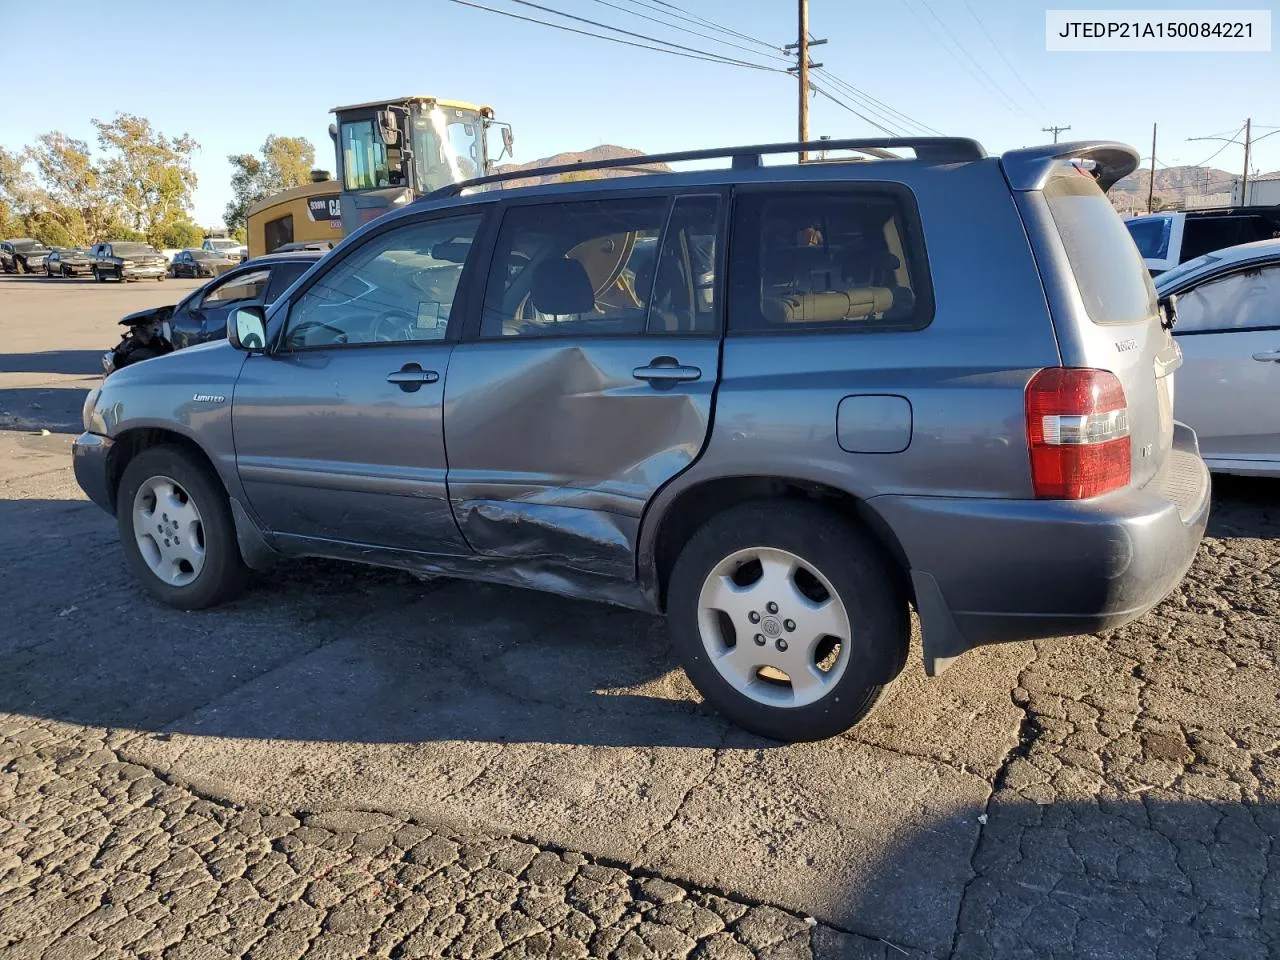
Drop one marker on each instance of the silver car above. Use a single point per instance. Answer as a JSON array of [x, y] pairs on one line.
[[780, 404], [1228, 306]]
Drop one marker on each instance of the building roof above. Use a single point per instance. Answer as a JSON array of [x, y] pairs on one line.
[[315, 189]]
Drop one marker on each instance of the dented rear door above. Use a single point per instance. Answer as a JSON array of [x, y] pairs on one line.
[[588, 380]]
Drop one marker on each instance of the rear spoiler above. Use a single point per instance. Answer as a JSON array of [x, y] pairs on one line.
[[1030, 167]]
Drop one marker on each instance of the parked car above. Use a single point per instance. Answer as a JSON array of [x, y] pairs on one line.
[[322, 245], [202, 315], [225, 247], [22, 255], [1168, 239], [127, 260], [68, 262], [1228, 326], [200, 263], [940, 381]]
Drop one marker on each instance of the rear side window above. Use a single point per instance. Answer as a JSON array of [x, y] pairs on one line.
[[830, 260], [1248, 300], [1112, 279], [1151, 236]]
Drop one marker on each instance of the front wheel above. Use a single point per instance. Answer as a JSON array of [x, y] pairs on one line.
[[787, 619], [177, 531]]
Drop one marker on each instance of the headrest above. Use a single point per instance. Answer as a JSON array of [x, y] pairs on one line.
[[561, 286]]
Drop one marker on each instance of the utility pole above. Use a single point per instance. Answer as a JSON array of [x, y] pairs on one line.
[[1244, 181], [1055, 131], [1151, 187], [802, 68]]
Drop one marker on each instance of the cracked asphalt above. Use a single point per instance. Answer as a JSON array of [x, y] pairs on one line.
[[352, 763]]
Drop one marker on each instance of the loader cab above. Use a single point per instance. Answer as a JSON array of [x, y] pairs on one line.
[[391, 152]]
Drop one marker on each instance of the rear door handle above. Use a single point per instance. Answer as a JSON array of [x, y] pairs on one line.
[[666, 370], [1273, 356], [411, 377]]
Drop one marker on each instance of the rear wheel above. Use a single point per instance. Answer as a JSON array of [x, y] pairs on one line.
[[177, 531], [787, 619]]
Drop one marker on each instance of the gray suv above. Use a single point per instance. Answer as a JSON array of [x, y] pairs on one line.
[[782, 405]]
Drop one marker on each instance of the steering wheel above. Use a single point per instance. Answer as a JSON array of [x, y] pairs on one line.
[[393, 326]]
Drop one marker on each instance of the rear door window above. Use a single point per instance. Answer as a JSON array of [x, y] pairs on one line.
[[1112, 279], [576, 268], [827, 260], [282, 277]]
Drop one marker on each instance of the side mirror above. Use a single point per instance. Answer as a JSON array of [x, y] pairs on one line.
[[1169, 311], [247, 329], [388, 130]]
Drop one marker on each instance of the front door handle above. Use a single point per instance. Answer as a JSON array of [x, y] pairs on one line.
[[1273, 356], [411, 377], [666, 370]]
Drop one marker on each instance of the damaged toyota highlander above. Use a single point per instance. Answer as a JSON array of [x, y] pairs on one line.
[[782, 405]]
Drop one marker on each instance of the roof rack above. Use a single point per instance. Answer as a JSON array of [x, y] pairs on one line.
[[927, 150]]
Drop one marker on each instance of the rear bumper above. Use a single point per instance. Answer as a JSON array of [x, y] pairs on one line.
[[89, 458], [991, 571]]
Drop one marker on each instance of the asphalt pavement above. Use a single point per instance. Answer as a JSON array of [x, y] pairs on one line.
[[498, 772]]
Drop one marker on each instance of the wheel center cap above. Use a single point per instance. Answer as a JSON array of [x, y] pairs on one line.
[[771, 627]]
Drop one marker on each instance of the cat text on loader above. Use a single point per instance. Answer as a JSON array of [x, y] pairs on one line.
[[390, 152]]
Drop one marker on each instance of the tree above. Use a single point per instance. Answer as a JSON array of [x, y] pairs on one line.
[[283, 162], [73, 184], [178, 234], [20, 196], [148, 174]]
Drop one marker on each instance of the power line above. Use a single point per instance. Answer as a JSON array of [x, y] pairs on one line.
[[1220, 149], [981, 69], [951, 53], [709, 58], [706, 36], [630, 33], [983, 27], [871, 103], [680, 14], [836, 100]]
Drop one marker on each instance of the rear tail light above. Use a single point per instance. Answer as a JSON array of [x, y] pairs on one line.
[[1077, 432]]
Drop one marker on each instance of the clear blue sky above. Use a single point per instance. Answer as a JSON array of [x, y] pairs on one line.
[[231, 72]]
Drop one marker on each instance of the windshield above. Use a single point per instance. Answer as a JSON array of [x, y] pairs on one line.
[[223, 244], [1151, 234], [129, 249], [203, 254], [29, 245], [448, 146]]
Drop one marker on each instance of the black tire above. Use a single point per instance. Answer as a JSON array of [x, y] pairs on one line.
[[856, 567], [119, 274], [224, 575], [21, 266], [97, 275], [67, 274]]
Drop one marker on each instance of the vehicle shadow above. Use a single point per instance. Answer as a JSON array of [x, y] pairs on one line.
[[1245, 507], [41, 278], [53, 361], [320, 650]]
